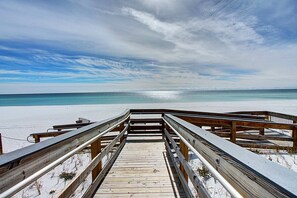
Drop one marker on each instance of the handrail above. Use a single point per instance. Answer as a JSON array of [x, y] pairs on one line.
[[44, 170], [214, 172], [244, 169], [242, 122], [22, 163], [196, 181], [187, 112], [82, 176], [18, 154], [268, 113]]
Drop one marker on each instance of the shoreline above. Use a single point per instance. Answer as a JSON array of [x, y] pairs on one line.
[[20, 121]]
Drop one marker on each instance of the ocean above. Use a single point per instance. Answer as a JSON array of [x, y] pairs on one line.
[[145, 97]]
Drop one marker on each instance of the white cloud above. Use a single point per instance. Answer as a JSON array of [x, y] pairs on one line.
[[152, 44]]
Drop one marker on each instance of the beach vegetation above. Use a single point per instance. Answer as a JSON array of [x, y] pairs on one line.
[[67, 176], [204, 172]]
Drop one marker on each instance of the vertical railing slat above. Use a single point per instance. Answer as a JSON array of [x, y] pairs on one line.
[[95, 150], [1, 147]]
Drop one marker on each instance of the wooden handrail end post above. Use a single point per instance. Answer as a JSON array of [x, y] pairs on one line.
[[95, 150], [294, 136], [1, 146], [233, 132], [185, 151]]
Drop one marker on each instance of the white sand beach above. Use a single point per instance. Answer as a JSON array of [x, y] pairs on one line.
[[20, 121]]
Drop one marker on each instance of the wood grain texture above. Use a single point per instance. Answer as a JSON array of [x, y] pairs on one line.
[[20, 164], [240, 171], [1, 147], [197, 183], [141, 170]]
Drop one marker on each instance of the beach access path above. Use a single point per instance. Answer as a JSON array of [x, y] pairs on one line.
[[142, 169]]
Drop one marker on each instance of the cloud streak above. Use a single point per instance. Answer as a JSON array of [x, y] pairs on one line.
[[136, 45]]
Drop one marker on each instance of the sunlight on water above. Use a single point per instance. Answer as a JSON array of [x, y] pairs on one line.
[[144, 97], [162, 95]]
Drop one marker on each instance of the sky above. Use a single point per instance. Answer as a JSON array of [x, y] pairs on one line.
[[115, 45]]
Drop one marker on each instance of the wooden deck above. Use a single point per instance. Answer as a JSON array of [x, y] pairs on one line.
[[142, 169]]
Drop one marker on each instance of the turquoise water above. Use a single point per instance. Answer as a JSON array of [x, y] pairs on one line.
[[144, 97]]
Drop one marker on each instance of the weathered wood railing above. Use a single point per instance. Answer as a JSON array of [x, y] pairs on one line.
[[20, 168], [231, 125], [57, 130], [270, 115], [241, 172], [246, 172], [95, 166]]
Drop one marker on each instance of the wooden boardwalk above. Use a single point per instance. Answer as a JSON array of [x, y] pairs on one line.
[[142, 169]]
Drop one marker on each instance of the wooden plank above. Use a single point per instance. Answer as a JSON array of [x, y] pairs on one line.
[[225, 121], [140, 169], [70, 126], [144, 138], [140, 179], [128, 190], [264, 146], [256, 137], [135, 182], [238, 128], [150, 132], [222, 134], [145, 127], [191, 113], [146, 120], [49, 134], [257, 113], [283, 116], [263, 137], [38, 136], [140, 195]]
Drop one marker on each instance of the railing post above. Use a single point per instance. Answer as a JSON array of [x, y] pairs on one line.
[[294, 136], [36, 138], [163, 127], [267, 117], [185, 151], [129, 126], [95, 150], [261, 131], [1, 147], [121, 128], [233, 132]]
